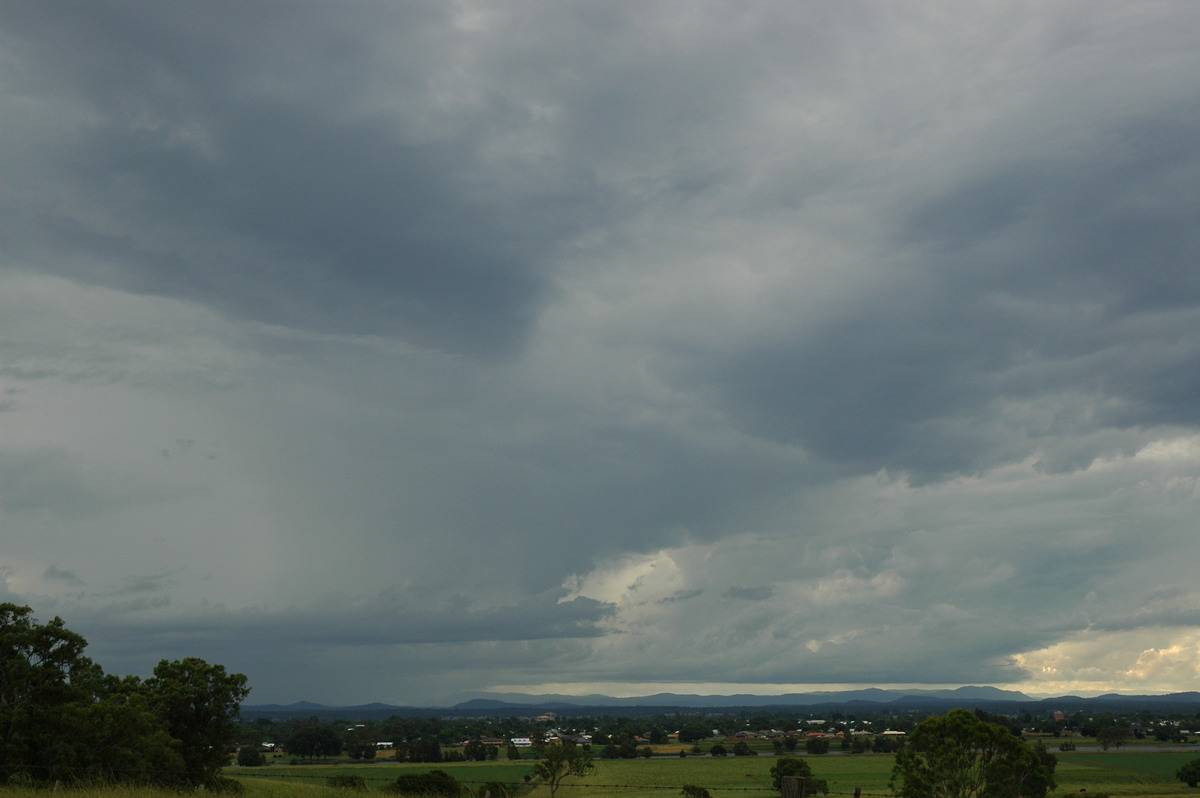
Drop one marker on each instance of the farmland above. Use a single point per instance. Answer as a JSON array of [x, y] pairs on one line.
[[1126, 773]]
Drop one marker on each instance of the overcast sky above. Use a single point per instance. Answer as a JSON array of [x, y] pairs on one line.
[[383, 351]]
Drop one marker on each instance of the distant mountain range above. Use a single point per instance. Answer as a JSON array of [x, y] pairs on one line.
[[482, 703], [871, 694]]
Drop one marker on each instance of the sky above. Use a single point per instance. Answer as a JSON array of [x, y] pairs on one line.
[[389, 351]]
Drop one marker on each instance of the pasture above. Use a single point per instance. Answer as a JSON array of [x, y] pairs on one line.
[[1128, 774], [1125, 774]]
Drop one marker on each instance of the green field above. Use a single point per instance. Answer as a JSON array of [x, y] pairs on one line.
[[1125, 773]]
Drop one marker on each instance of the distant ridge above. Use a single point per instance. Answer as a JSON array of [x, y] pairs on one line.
[[870, 695], [484, 703]]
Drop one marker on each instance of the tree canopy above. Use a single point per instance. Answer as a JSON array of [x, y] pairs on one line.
[[957, 755], [63, 719], [1189, 774], [561, 760], [791, 766]]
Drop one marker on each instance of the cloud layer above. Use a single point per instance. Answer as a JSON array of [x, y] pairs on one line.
[[387, 351]]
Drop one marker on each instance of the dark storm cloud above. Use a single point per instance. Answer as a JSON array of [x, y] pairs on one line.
[[269, 638], [1037, 280], [870, 331], [259, 185]]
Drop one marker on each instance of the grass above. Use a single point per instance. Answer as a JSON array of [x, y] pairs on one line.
[[1124, 774]]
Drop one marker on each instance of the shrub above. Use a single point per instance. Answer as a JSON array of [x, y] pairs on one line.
[[1189, 774], [794, 766], [692, 791], [224, 785], [249, 757], [496, 789], [345, 781], [435, 782]]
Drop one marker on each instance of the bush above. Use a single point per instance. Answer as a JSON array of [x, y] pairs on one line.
[[435, 782], [817, 745], [1189, 774], [249, 757], [794, 766], [496, 789], [692, 791], [345, 781], [224, 785]]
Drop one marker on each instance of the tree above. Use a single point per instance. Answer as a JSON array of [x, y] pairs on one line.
[[957, 755], [199, 703], [817, 745], [790, 766], [1112, 736], [63, 719], [312, 742], [249, 756], [43, 672], [475, 750], [1189, 774], [742, 748], [692, 791], [560, 761], [435, 783]]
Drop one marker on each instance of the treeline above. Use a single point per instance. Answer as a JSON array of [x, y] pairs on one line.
[[442, 739], [63, 720]]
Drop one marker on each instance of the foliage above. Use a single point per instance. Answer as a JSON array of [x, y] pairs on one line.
[[694, 731], [742, 748], [817, 745], [960, 756], [312, 742], [199, 703], [692, 791], [560, 761], [1189, 774], [347, 781], [1112, 736], [63, 720], [433, 783], [496, 789], [795, 767], [249, 757], [43, 675]]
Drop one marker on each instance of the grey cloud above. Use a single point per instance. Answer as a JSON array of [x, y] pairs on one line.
[[682, 595], [763, 593], [316, 643], [883, 311], [49, 482], [63, 575], [319, 219]]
